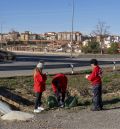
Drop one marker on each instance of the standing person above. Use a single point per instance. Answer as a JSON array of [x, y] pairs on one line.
[[39, 86], [95, 78], [59, 86]]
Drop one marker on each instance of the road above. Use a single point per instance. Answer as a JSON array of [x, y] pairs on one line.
[[25, 63]]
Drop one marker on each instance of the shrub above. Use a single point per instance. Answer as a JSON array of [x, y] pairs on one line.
[[92, 47], [113, 48]]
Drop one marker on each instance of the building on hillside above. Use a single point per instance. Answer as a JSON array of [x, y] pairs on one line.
[[86, 39], [25, 36], [42, 37], [50, 36], [111, 39], [108, 40], [0, 37], [14, 36], [33, 37], [66, 36], [4, 37]]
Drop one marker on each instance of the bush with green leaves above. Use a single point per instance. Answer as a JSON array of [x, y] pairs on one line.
[[113, 48], [92, 47]]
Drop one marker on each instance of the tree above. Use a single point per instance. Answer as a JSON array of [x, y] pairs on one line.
[[14, 36], [101, 31], [113, 48], [92, 47]]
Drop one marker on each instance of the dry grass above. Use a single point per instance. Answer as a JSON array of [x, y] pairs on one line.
[[77, 86]]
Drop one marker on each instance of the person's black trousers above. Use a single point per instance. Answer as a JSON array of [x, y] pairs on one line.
[[60, 96], [38, 99], [97, 97]]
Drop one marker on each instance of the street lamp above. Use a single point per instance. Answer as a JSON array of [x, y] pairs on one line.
[[72, 28]]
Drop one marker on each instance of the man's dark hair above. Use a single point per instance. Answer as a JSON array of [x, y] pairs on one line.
[[94, 61]]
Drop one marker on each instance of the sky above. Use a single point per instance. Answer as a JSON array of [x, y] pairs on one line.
[[39, 16]]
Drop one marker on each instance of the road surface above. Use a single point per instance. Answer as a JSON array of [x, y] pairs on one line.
[[25, 63]]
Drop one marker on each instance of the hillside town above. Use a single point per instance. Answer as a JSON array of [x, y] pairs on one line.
[[52, 41]]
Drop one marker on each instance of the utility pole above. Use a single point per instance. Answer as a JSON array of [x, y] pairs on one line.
[[1, 37], [72, 28]]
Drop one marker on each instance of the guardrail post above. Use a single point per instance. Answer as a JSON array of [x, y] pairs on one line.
[[72, 68], [114, 65]]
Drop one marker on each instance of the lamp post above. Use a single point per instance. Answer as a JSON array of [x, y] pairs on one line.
[[72, 28]]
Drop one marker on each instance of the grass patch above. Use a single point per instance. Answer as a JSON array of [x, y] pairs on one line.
[[77, 85]]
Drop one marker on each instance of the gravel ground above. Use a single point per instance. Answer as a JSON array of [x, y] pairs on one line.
[[69, 119]]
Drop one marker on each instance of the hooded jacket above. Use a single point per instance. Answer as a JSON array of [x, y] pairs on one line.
[[39, 82], [62, 80], [95, 76]]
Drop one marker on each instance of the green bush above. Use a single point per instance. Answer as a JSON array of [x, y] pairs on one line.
[[92, 47], [113, 48]]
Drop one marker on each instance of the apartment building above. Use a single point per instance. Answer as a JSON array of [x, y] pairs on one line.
[[25, 36], [111, 39], [14, 36], [33, 37], [51, 36], [108, 40], [66, 36], [4, 37], [28, 36]]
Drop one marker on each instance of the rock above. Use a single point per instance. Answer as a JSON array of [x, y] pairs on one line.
[[4, 108], [17, 115]]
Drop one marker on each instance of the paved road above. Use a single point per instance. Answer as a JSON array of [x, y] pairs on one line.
[[25, 63]]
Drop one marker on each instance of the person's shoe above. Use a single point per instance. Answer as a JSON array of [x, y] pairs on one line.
[[41, 108], [101, 108], [95, 109], [36, 111], [61, 104]]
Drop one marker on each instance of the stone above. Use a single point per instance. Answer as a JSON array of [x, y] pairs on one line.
[[17, 115]]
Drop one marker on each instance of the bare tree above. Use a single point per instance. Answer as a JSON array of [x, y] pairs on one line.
[[14, 36], [101, 31]]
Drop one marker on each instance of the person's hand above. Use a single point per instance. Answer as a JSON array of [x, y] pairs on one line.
[[86, 75], [46, 73]]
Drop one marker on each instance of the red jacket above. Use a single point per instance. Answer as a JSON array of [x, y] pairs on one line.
[[62, 82], [95, 76], [39, 82]]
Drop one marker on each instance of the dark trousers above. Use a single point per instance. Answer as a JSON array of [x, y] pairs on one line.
[[38, 99], [60, 96], [97, 97]]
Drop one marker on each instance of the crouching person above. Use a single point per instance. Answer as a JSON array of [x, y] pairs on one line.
[[39, 86], [95, 78], [59, 86]]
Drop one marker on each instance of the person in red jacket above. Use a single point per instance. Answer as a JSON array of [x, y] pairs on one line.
[[95, 78], [59, 86], [39, 86]]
